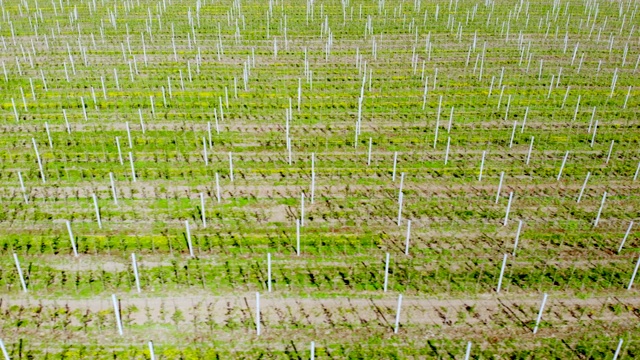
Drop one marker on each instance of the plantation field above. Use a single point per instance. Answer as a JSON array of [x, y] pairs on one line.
[[199, 179]]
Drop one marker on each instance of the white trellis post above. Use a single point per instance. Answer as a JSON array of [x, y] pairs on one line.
[[499, 186], [2, 347], [515, 244], [395, 163], [22, 282], [133, 170], [617, 353], [467, 353], [113, 188], [269, 271], [95, 205], [202, 210], [35, 147], [504, 263], [400, 198], [625, 237], [544, 301], [188, 233], [406, 242], [566, 155], [218, 188], [72, 238], [135, 271], [397, 325], [529, 153], [313, 176], [230, 167], [116, 310], [258, 313], [484, 153], [584, 185], [386, 272], [24, 190], [633, 276], [302, 209], [152, 353], [313, 351], [604, 197], [506, 215], [298, 237]]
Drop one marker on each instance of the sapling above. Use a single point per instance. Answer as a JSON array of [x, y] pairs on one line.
[[635, 176], [369, 153]]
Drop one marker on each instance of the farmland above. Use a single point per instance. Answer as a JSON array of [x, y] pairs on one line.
[[329, 179]]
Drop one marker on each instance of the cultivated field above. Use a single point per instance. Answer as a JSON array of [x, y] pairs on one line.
[[199, 179]]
